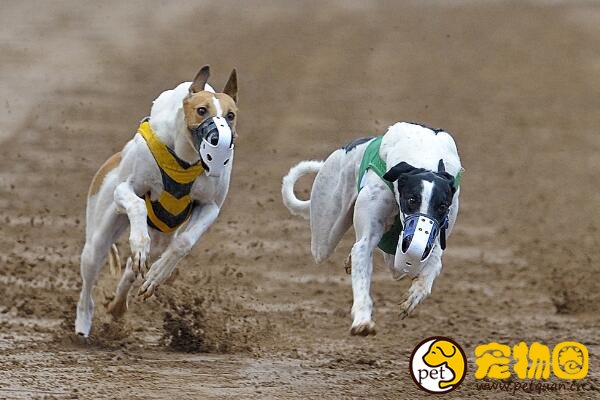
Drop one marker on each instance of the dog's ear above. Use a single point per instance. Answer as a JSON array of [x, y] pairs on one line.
[[231, 87], [200, 79], [442, 172], [399, 173], [397, 170], [441, 166]]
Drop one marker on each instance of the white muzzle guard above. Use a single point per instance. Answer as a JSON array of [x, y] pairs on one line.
[[215, 144], [416, 241]]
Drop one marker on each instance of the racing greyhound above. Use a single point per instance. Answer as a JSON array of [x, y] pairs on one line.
[[401, 192], [167, 185]]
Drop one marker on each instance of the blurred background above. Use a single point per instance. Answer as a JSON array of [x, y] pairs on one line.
[[517, 83]]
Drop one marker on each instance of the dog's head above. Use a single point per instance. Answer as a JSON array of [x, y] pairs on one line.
[[211, 120], [423, 191], [424, 198]]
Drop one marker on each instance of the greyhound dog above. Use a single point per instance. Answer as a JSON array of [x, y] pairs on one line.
[[167, 185], [401, 192]]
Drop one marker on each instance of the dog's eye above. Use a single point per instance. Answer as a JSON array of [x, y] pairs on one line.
[[412, 201], [201, 111], [230, 116]]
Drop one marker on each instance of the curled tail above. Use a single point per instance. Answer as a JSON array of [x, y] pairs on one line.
[[295, 205]]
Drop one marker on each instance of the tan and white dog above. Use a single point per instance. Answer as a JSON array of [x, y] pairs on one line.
[[167, 185]]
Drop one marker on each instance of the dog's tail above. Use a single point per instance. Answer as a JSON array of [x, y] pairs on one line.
[[114, 262], [295, 205]]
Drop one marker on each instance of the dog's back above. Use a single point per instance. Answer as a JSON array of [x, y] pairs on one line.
[[420, 146]]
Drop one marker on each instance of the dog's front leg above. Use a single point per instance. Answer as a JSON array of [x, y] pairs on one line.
[[374, 205], [201, 219], [139, 240], [422, 284]]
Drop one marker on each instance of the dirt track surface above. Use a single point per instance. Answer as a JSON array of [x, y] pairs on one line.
[[518, 85]]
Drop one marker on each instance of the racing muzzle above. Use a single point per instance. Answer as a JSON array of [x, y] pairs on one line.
[[213, 140], [417, 240]]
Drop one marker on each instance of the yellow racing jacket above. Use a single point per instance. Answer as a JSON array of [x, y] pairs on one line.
[[174, 204]]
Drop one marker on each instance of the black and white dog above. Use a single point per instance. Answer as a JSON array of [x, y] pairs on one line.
[[401, 192]]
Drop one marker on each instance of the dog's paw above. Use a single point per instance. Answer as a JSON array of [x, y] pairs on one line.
[[80, 339], [160, 273], [83, 323], [405, 311], [416, 294], [140, 248], [148, 289], [408, 305], [364, 328]]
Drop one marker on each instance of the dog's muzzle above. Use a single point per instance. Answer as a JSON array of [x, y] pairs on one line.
[[213, 140], [417, 241]]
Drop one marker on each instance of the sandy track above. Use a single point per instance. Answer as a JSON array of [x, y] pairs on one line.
[[517, 85]]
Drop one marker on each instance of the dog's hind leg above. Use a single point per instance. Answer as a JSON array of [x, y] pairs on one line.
[[373, 214], [118, 306], [98, 242], [331, 203]]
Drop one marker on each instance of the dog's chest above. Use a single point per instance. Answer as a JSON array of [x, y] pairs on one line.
[[205, 188], [169, 203]]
